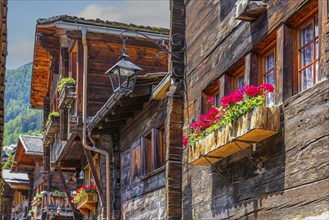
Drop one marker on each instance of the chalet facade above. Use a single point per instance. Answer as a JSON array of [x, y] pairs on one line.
[[83, 50], [16, 187]]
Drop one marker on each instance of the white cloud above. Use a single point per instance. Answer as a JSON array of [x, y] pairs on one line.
[[151, 13], [20, 52]]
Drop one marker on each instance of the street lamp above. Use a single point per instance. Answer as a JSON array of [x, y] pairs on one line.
[[123, 74]]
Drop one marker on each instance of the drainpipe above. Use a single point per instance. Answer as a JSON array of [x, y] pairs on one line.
[[84, 127]]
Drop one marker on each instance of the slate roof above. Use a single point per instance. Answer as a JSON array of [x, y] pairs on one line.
[[12, 177], [32, 144], [102, 23]]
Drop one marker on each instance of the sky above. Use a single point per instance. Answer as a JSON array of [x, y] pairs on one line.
[[23, 14]]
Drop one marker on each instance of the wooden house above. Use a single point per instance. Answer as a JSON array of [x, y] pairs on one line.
[[236, 43], [3, 55], [83, 50], [15, 195]]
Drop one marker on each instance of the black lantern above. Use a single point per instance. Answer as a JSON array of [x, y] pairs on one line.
[[123, 75]]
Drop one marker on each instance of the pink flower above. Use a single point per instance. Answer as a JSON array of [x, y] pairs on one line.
[[266, 87], [251, 90], [211, 100], [237, 96], [185, 141], [226, 101]]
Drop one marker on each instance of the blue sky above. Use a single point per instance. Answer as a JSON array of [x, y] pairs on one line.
[[23, 14]]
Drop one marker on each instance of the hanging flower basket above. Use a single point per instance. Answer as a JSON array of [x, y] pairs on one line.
[[242, 119]]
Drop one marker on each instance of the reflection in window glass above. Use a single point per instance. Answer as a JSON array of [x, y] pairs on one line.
[[309, 54], [269, 76]]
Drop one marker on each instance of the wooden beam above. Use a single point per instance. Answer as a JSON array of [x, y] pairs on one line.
[[251, 69], [284, 64], [66, 188], [95, 175]]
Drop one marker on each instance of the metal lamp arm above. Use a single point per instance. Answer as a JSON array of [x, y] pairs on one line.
[[176, 40]]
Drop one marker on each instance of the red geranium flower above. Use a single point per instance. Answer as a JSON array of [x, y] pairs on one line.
[[211, 100], [185, 141]]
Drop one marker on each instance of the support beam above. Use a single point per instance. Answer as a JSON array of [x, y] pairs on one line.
[[94, 173], [67, 191]]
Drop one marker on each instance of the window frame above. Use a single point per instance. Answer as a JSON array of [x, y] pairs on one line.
[[264, 53], [212, 90], [310, 20], [236, 74]]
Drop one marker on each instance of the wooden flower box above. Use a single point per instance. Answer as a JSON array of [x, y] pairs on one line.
[[51, 130], [67, 96], [36, 202], [87, 204], [252, 127]]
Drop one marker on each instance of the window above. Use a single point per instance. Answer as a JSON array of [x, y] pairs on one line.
[[308, 54], [135, 163], [269, 73], [154, 150], [238, 78], [212, 90]]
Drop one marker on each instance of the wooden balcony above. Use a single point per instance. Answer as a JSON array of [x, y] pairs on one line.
[[51, 130], [87, 204], [67, 96], [253, 127], [55, 204], [248, 10]]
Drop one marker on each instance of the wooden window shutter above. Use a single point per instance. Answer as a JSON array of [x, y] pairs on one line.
[[144, 156], [158, 148]]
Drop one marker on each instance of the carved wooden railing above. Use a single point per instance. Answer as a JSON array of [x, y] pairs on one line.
[[252, 127]]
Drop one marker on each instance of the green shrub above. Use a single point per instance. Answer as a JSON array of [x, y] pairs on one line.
[[51, 115], [64, 81]]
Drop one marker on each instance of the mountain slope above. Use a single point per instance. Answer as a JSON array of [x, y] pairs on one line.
[[19, 118]]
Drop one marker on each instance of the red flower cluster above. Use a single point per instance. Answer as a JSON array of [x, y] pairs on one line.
[[214, 116], [232, 98], [84, 189]]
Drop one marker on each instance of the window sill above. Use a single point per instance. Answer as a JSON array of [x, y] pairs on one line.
[[154, 172]]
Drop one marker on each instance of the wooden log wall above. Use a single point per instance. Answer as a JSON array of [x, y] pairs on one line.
[[145, 198], [295, 161], [104, 52]]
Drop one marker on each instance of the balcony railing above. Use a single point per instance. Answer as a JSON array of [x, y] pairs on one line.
[[53, 203], [67, 96]]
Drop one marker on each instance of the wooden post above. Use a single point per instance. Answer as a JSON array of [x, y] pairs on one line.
[[31, 186], [95, 175], [67, 191], [46, 168], [174, 121], [324, 39], [225, 85], [251, 69], [284, 65]]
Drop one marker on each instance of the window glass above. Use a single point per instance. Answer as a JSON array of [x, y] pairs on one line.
[[269, 76], [309, 54]]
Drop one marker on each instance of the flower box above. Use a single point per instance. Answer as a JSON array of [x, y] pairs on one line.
[[51, 130], [88, 203], [67, 96], [252, 127]]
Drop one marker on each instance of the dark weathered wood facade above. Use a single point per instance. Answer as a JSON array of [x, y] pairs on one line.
[[3, 46], [293, 181], [60, 51]]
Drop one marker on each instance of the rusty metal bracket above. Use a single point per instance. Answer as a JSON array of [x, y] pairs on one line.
[[219, 171], [252, 159]]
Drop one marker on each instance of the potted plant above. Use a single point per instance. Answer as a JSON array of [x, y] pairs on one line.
[[86, 198], [242, 118]]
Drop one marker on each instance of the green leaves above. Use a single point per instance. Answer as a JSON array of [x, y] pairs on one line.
[[65, 80]]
